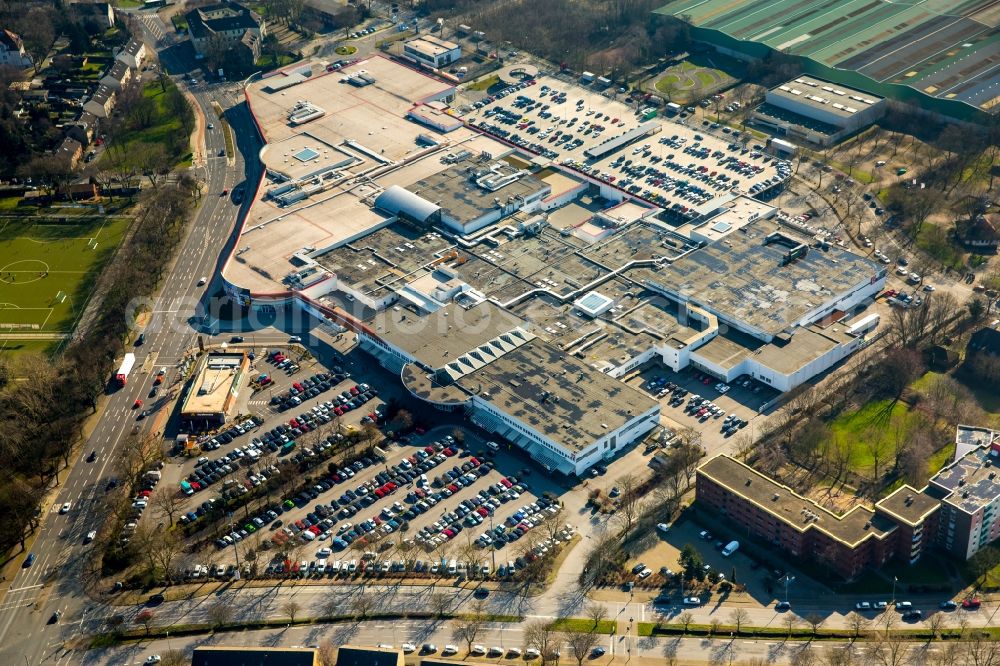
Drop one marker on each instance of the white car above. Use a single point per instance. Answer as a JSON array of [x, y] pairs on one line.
[[202, 281], [901, 271], [663, 527], [211, 126], [532, 653], [449, 649], [66, 507], [409, 647], [692, 601], [928, 287], [153, 659], [478, 650], [645, 573]]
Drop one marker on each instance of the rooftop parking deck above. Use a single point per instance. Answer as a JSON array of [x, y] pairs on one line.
[[670, 164]]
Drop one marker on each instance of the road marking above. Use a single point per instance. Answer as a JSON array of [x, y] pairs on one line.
[[26, 587]]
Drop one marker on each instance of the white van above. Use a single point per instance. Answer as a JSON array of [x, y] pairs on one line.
[[453, 567], [493, 446], [730, 548]]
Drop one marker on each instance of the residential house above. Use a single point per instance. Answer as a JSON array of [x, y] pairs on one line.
[[102, 103], [83, 129], [80, 192], [248, 50], [101, 13], [227, 21], [982, 356], [12, 51], [134, 54], [69, 152], [900, 527], [325, 14], [118, 76], [981, 235]]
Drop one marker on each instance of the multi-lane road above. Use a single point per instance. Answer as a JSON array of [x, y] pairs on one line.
[[53, 582]]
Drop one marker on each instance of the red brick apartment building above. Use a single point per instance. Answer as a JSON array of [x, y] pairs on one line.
[[900, 526]]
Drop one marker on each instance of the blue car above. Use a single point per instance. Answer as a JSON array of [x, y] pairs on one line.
[[28, 561]]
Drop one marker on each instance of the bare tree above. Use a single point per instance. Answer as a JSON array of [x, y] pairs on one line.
[[169, 501], [539, 635], [469, 627], [739, 616], [685, 618], [629, 501], [439, 604], [935, 623], [174, 658], [858, 623], [596, 612], [291, 608], [220, 613], [581, 644]]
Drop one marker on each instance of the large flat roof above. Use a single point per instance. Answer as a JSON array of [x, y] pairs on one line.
[[792, 509], [557, 394], [971, 481], [363, 129], [825, 96], [744, 279], [442, 336], [215, 382], [456, 192]]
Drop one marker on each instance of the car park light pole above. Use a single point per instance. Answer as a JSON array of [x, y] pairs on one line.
[[235, 549], [788, 579]]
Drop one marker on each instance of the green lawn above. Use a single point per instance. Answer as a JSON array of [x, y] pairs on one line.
[[664, 83], [485, 84], [583, 625], [162, 130], [936, 242], [266, 61], [870, 430], [48, 269]]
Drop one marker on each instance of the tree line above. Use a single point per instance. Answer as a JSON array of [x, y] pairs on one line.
[[42, 413]]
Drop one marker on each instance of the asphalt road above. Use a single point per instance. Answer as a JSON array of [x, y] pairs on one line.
[[53, 581]]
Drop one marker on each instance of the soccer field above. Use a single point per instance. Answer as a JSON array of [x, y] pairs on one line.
[[47, 270]]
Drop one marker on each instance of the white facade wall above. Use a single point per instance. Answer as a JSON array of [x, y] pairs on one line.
[[438, 60], [603, 448]]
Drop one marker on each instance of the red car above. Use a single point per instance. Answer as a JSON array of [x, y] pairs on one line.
[[429, 449], [137, 404], [506, 483], [449, 452], [971, 603]]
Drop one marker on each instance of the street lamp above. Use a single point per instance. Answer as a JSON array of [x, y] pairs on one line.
[[788, 579], [895, 579]]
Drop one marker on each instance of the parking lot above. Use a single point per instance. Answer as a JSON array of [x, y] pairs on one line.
[[668, 164], [359, 509]]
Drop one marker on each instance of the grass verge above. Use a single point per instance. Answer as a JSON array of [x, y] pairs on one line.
[[584, 625], [485, 84]]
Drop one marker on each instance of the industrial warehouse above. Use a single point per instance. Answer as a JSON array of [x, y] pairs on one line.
[[514, 258], [936, 55]]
